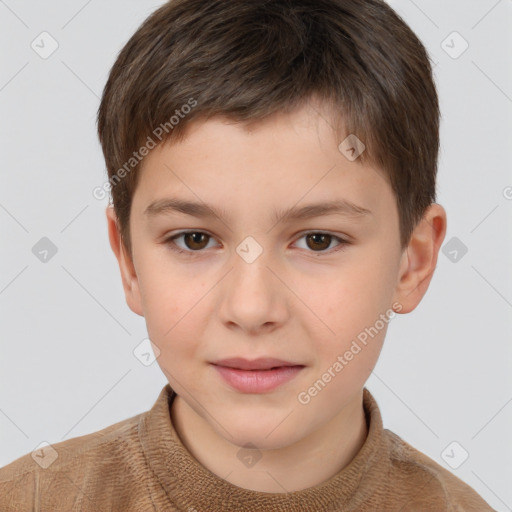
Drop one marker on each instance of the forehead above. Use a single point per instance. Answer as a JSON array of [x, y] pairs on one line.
[[290, 159]]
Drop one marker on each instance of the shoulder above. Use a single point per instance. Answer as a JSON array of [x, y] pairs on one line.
[[427, 484], [63, 467]]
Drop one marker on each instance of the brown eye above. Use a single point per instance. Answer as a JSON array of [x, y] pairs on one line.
[[318, 241], [195, 241], [321, 243], [191, 243]]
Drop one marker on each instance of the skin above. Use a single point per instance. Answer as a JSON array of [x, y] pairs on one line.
[[300, 300]]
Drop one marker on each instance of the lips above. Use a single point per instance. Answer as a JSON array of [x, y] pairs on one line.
[[262, 363], [258, 376]]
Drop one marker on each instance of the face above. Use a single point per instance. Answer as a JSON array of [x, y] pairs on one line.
[[311, 288]]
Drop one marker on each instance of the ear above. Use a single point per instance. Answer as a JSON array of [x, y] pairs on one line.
[[126, 266], [419, 259]]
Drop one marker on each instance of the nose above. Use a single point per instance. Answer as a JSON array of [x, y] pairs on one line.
[[254, 299]]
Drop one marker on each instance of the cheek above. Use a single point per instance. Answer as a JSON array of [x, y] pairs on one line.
[[345, 306], [171, 305], [350, 294]]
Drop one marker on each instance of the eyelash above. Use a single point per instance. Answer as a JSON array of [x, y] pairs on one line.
[[172, 245]]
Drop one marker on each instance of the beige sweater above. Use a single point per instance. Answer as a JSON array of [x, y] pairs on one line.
[[140, 464]]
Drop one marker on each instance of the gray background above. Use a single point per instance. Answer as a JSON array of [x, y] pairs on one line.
[[67, 366]]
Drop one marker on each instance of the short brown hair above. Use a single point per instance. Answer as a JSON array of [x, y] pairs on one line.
[[247, 59]]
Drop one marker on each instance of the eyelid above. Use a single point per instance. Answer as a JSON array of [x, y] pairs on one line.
[[169, 241], [342, 241]]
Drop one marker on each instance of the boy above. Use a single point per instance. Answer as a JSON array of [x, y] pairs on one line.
[[241, 137]]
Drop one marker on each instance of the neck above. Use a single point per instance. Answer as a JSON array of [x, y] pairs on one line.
[[306, 463]]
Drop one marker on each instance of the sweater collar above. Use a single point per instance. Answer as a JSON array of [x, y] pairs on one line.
[[192, 487]]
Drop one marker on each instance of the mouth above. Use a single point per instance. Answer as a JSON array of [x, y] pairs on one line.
[[257, 376], [260, 364]]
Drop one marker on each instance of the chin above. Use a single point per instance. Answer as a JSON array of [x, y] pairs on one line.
[[264, 433]]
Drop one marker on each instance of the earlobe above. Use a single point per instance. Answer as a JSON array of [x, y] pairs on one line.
[[419, 259], [128, 274]]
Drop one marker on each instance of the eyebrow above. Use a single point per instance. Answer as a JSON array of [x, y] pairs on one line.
[[203, 210]]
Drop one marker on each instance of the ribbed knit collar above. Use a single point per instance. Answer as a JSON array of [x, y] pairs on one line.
[[193, 488]]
